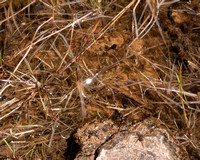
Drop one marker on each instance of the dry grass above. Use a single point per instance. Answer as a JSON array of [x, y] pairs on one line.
[[65, 63]]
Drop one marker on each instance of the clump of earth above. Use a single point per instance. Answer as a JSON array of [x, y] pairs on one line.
[[104, 140]]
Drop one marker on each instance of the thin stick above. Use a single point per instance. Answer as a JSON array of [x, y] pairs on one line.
[[81, 95], [13, 18], [11, 111], [18, 11]]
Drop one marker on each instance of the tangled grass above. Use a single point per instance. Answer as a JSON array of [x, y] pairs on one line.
[[66, 63]]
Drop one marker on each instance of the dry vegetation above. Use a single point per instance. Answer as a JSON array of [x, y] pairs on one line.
[[64, 63]]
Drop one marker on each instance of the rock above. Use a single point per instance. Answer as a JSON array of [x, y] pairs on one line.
[[92, 136], [142, 141]]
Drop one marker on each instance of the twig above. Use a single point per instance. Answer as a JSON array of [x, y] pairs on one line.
[[18, 11]]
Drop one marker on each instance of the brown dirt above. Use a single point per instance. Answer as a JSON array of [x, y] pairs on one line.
[[41, 116]]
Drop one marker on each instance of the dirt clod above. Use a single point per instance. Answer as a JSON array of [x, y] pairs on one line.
[[142, 141]]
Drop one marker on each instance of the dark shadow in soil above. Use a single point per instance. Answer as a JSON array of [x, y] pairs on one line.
[[192, 153], [72, 149]]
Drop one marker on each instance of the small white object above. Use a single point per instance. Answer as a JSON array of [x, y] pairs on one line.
[[88, 81]]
